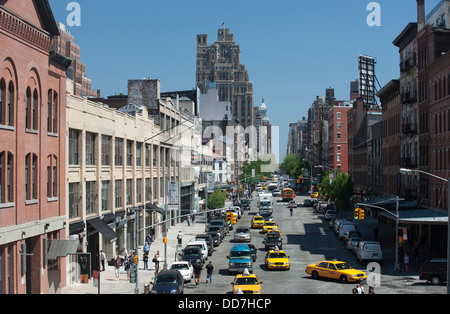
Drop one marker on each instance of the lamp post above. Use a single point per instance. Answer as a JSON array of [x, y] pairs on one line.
[[405, 171]]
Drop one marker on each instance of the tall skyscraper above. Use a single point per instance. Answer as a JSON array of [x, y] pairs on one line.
[[220, 62]]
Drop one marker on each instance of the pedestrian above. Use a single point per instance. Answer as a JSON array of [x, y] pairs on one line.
[[209, 272], [145, 259], [117, 265], [102, 259], [406, 262], [180, 237], [128, 261], [197, 272], [360, 288], [148, 239], [371, 290], [156, 261], [193, 219], [146, 248]]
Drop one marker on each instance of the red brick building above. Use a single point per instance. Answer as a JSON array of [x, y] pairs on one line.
[[32, 148], [338, 137], [434, 113]]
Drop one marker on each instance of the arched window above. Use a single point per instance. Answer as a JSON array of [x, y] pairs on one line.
[[52, 112], [2, 99], [52, 176], [28, 110], [31, 177], [6, 178], [9, 115], [35, 110]]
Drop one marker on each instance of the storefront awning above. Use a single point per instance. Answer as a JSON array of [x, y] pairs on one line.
[[62, 248], [419, 216], [109, 234]]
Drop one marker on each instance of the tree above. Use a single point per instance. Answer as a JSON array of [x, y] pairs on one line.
[[340, 190], [293, 166], [216, 199], [248, 166]]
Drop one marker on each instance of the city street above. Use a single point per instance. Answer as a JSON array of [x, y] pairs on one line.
[[307, 239]]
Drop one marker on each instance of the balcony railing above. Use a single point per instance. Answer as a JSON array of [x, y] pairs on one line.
[[409, 97]]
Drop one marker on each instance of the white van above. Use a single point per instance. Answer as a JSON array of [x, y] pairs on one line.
[[369, 251], [200, 244], [345, 227]]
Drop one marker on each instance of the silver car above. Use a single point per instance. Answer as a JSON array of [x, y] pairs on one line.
[[242, 234]]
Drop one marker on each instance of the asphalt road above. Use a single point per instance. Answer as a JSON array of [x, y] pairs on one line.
[[306, 239]]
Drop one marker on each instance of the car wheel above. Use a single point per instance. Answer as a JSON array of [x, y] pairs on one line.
[[315, 275], [435, 280], [343, 279]]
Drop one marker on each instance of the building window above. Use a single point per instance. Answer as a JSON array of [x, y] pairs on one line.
[[138, 191], [338, 115], [147, 155], [73, 200], [6, 178], [338, 157], [129, 153], [7, 100], [138, 154], [90, 148], [90, 197], [32, 107], [129, 192], [52, 177], [339, 125], [74, 136], [105, 195], [31, 177], [118, 189], [148, 190], [106, 150], [338, 135], [118, 155], [52, 112]]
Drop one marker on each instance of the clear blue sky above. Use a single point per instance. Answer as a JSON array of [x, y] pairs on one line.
[[293, 49]]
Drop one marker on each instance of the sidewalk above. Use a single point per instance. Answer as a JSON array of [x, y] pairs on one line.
[[108, 282], [386, 236]]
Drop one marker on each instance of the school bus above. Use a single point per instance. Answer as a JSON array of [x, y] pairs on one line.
[[287, 195]]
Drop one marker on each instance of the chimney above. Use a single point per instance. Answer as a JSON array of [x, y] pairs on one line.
[[420, 14]]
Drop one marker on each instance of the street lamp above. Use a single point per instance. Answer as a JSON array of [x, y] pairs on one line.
[[405, 171]]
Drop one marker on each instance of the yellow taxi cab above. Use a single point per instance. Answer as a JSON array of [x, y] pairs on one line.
[[246, 283], [269, 225], [257, 222], [314, 195], [335, 270], [277, 259]]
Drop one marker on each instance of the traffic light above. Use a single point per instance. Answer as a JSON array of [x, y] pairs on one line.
[[361, 214], [357, 213]]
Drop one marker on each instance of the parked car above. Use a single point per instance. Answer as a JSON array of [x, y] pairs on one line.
[[209, 241], [369, 251], [307, 203], [434, 271], [216, 229], [193, 255], [346, 227], [185, 268], [351, 234], [330, 214], [168, 282], [216, 237], [200, 243], [335, 270], [352, 241]]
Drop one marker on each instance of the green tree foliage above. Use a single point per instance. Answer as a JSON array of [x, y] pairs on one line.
[[216, 199], [293, 166], [340, 190], [248, 166]]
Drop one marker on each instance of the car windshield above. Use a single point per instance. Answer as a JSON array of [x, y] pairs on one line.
[[277, 255], [191, 252], [180, 266], [241, 230], [270, 223], [216, 223], [342, 266], [240, 254], [166, 279], [214, 228], [265, 204], [246, 281]]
